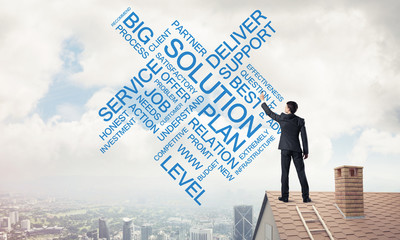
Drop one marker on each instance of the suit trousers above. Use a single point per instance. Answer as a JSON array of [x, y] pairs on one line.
[[286, 156]]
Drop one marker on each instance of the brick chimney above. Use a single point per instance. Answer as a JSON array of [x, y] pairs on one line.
[[349, 194]]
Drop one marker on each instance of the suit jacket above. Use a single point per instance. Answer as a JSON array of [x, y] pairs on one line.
[[291, 126]]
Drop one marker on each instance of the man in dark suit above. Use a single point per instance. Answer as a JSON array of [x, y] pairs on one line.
[[289, 144]]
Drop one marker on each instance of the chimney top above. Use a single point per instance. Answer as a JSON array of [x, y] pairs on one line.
[[348, 166]]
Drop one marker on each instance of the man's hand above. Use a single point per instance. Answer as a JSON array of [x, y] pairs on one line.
[[262, 97], [305, 156]]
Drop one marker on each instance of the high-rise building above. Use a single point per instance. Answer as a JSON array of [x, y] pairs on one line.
[[3, 236], [145, 232], [161, 235], [14, 217], [6, 224], [26, 224], [127, 230], [103, 229], [197, 233], [182, 233], [243, 225]]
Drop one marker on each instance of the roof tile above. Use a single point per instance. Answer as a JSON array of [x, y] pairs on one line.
[[381, 220]]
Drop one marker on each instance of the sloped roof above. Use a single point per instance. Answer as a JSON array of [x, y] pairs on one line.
[[381, 220]]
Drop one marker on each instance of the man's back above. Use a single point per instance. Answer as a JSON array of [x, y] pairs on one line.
[[291, 126]]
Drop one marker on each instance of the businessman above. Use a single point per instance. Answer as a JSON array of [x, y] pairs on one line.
[[289, 144]]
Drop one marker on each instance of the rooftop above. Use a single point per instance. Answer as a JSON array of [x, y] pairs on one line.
[[381, 220]]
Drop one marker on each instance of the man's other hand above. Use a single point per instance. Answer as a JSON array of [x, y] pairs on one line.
[[262, 97], [305, 156]]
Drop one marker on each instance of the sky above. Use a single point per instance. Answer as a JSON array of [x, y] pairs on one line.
[[60, 61]]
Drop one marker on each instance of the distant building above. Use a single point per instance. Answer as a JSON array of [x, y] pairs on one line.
[[44, 231], [182, 233], [127, 229], [14, 217], [92, 235], [243, 225], [220, 237], [103, 229], [197, 233], [3, 236], [26, 224], [161, 235], [6, 224], [145, 232]]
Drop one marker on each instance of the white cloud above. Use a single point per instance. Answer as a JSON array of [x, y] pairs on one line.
[[69, 112], [339, 63], [29, 57], [374, 141]]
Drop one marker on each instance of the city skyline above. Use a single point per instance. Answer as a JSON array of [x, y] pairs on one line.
[[78, 219]]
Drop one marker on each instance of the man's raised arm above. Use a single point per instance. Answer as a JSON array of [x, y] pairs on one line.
[[268, 111]]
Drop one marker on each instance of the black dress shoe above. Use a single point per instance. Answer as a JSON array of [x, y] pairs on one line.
[[307, 199], [283, 199]]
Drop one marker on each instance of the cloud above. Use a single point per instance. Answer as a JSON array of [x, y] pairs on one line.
[[374, 141], [29, 57], [339, 61], [69, 112]]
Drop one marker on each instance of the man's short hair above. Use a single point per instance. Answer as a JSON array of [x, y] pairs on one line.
[[292, 106]]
